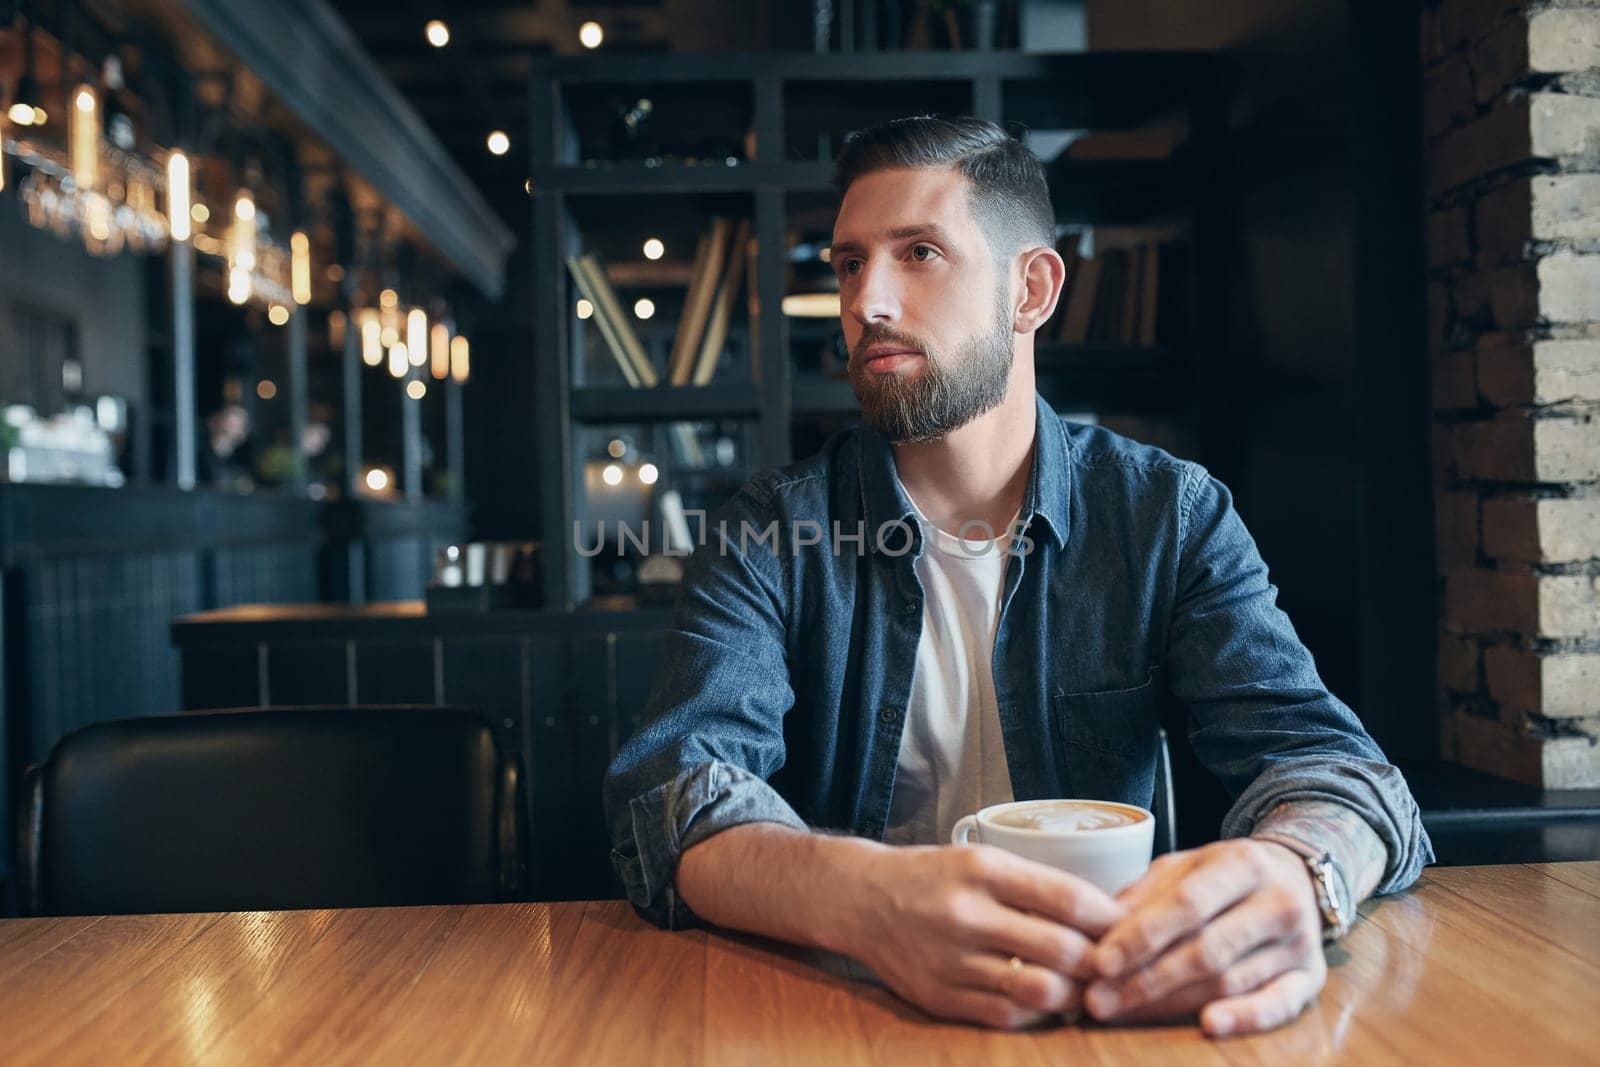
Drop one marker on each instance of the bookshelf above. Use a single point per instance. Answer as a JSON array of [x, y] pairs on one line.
[[751, 137]]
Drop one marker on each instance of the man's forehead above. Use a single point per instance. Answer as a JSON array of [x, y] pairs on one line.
[[890, 204]]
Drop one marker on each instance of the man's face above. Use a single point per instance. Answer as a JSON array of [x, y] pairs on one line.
[[926, 311]]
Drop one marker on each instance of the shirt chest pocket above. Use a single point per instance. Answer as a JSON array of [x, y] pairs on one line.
[[1106, 741]]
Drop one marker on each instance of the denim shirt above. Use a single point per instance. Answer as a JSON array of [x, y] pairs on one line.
[[787, 672]]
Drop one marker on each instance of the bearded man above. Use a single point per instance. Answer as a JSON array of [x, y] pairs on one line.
[[968, 600]]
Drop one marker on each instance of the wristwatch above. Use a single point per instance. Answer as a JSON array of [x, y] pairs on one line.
[[1333, 899]]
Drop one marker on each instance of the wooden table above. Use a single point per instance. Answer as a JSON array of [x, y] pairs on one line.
[[1475, 965]]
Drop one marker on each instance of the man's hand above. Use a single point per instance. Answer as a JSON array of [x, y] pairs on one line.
[[940, 926], [1231, 930]]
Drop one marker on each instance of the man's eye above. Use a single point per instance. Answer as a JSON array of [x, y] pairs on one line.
[[848, 265], [924, 248]]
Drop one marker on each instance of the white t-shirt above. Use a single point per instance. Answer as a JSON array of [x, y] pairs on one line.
[[952, 757]]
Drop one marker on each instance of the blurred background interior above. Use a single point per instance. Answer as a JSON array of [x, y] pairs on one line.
[[338, 338]]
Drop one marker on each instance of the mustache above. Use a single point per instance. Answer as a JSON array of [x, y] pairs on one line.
[[883, 336]]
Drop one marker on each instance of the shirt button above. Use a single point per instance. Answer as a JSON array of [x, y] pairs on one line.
[[889, 716]]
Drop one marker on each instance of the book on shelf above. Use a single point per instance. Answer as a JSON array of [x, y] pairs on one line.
[[602, 320], [1120, 296], [1068, 247], [716, 334], [1133, 275], [1149, 294], [697, 305], [632, 351], [678, 361], [1081, 300]]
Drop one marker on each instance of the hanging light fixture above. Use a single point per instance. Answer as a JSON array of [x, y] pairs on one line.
[[300, 267], [371, 337], [417, 336], [84, 138], [460, 358], [399, 359], [439, 350], [178, 206], [242, 248]]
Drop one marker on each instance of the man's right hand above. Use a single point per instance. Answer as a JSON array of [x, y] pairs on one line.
[[940, 926]]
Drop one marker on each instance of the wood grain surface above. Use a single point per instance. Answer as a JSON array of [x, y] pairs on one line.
[[1474, 965]]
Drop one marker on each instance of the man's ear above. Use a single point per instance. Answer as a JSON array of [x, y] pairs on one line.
[[1043, 275]]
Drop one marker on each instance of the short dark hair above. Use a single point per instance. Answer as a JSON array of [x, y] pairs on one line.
[[1007, 187]]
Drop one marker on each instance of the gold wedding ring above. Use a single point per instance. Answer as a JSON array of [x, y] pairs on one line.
[[1013, 968]]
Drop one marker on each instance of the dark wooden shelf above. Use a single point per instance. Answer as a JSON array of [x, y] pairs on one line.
[[668, 403], [630, 177], [1112, 191]]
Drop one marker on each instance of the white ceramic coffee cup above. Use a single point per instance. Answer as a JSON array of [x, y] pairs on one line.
[[1111, 857]]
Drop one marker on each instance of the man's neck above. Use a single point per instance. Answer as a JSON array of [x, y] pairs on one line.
[[980, 471]]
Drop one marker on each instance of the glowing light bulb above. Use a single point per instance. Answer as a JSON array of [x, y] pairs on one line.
[[437, 32], [498, 143], [416, 390], [644, 308], [648, 473], [371, 338], [179, 210], [654, 249], [277, 314], [585, 309], [399, 360], [377, 479], [439, 350], [460, 359], [300, 267], [590, 35], [612, 475], [417, 336]]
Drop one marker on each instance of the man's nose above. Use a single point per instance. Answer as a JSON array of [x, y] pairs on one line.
[[876, 297]]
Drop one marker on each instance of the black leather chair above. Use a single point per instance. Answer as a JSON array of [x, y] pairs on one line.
[[274, 808]]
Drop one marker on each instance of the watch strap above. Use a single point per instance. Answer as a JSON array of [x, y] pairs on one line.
[[1327, 879]]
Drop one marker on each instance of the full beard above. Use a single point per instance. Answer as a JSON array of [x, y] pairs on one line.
[[945, 393]]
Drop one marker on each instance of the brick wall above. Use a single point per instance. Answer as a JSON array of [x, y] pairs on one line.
[[1511, 121]]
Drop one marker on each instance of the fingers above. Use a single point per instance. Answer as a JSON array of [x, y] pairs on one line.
[[1054, 894], [1106, 1002], [982, 1007], [1036, 940], [1175, 910], [1211, 952], [1029, 985], [1266, 1008]]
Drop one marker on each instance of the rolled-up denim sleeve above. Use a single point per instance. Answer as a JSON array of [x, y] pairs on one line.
[[1260, 717], [713, 727]]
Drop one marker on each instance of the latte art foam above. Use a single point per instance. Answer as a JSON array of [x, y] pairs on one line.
[[1066, 818]]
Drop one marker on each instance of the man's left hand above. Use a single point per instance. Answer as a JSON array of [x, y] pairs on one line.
[[1231, 930]]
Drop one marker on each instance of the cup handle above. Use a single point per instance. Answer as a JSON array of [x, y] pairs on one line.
[[966, 827]]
